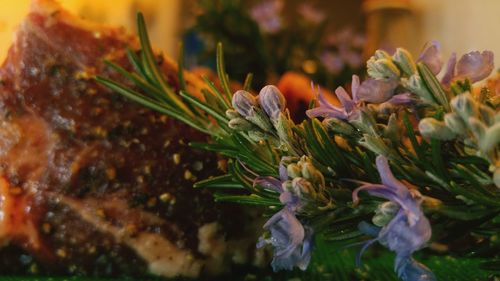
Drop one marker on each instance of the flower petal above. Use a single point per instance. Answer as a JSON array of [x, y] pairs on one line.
[[409, 269], [323, 102], [404, 98], [388, 178], [450, 69], [326, 113], [283, 173], [403, 238], [363, 249], [431, 56], [475, 66], [345, 99], [292, 242], [354, 87], [269, 183], [291, 200], [378, 190], [376, 90]]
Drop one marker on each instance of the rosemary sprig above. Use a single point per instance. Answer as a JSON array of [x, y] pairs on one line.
[[331, 162]]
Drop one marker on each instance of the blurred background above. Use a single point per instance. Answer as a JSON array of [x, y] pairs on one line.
[[324, 40]]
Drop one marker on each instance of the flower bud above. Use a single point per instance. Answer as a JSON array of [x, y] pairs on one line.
[[244, 103], [377, 145], [465, 106], [417, 86], [287, 185], [303, 187], [231, 113], [382, 68], [272, 101], [490, 138], [384, 213], [404, 60], [381, 54], [239, 124], [338, 126], [293, 171], [260, 119], [454, 123], [257, 135], [435, 129], [284, 129], [309, 172]]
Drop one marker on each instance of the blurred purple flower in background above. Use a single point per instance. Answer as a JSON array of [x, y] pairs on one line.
[[310, 13], [267, 14], [291, 240], [408, 231], [343, 49], [351, 56], [332, 62]]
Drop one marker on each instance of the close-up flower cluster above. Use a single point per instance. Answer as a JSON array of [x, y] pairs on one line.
[[394, 162]]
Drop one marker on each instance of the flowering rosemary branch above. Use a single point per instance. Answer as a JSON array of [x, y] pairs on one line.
[[427, 147]]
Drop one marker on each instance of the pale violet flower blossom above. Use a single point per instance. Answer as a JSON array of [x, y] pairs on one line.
[[332, 62], [349, 107], [311, 14], [351, 57], [376, 91], [342, 49], [292, 241], [371, 90], [408, 231], [474, 66], [431, 56]]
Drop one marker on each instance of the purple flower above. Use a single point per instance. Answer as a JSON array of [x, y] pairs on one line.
[[474, 65], [332, 62], [408, 231], [350, 105], [371, 90], [311, 14], [376, 90], [450, 69], [267, 15], [272, 101], [291, 240], [244, 103], [431, 56], [351, 57]]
